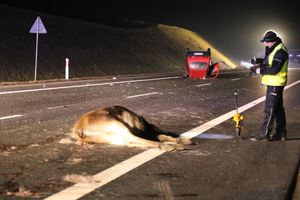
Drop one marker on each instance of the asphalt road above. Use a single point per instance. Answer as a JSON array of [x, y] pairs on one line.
[[37, 158]]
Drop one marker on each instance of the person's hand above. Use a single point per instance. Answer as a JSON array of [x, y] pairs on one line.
[[253, 69], [256, 68], [257, 71], [257, 61]]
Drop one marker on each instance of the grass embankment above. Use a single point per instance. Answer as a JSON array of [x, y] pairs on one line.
[[93, 49]]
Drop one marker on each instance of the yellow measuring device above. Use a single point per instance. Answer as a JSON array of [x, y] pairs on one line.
[[238, 118]]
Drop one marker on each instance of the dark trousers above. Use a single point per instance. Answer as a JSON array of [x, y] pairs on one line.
[[274, 110]]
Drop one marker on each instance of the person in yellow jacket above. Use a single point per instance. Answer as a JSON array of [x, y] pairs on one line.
[[274, 71]]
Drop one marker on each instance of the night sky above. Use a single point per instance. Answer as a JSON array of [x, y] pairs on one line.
[[234, 27]]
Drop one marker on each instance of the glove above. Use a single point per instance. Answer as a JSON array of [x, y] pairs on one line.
[[253, 69], [257, 61], [257, 71]]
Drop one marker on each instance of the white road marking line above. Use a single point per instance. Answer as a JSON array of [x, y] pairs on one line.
[[141, 95], [80, 189], [235, 79], [86, 85], [56, 107], [291, 85], [205, 84], [9, 117]]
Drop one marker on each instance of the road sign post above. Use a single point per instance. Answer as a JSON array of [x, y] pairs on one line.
[[67, 69], [37, 27]]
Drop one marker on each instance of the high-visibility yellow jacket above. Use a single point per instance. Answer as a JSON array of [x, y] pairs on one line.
[[280, 78]]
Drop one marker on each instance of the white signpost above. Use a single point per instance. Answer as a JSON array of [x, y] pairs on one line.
[[37, 27], [67, 69]]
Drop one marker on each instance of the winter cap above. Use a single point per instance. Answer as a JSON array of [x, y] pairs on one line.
[[270, 36]]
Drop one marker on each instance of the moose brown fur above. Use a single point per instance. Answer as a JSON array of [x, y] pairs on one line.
[[120, 126]]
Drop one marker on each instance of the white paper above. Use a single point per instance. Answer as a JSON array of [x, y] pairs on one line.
[[248, 65]]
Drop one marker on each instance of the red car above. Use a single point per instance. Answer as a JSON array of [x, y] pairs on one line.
[[198, 65]]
